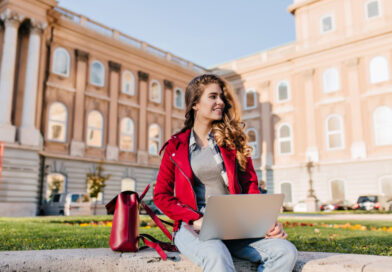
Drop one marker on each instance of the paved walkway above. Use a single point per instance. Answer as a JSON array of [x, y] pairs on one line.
[[376, 217]]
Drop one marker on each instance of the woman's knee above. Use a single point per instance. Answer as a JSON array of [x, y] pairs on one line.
[[287, 250], [215, 253]]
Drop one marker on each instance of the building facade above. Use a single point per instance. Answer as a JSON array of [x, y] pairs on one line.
[[320, 108], [75, 93]]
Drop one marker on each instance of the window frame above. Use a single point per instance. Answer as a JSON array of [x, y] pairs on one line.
[[127, 178], [377, 143], [103, 73], [366, 10], [182, 99], [288, 91], [150, 91], [292, 194], [327, 132], [375, 73], [256, 151], [133, 87], [252, 90], [65, 123], [159, 139], [330, 187], [61, 49], [331, 69], [102, 129], [285, 139], [132, 134], [332, 23]]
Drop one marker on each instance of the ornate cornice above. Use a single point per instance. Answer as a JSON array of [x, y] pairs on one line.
[[81, 55], [142, 76], [11, 18], [114, 66]]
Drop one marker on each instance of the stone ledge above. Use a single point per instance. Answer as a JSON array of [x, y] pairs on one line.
[[103, 259]]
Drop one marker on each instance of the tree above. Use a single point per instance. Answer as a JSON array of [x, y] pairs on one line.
[[96, 182]]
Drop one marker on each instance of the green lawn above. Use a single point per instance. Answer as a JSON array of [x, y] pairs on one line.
[[66, 232]]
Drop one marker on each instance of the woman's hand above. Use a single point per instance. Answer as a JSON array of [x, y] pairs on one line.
[[276, 232], [197, 224]]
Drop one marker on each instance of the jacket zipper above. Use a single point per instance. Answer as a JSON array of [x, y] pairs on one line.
[[190, 183]]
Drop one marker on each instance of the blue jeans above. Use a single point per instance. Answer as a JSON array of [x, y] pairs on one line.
[[215, 255]]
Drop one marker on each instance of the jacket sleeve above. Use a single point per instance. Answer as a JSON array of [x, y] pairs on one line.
[[248, 179], [164, 193]]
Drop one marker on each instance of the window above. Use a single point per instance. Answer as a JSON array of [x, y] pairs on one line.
[[386, 186], [155, 91], [95, 129], [128, 83], [326, 24], [372, 9], [379, 70], [382, 120], [97, 74], [61, 62], [334, 128], [57, 122], [128, 184], [285, 189], [250, 99], [337, 190], [55, 185], [331, 80], [127, 134], [154, 136], [252, 141], [284, 139], [179, 99], [283, 92]]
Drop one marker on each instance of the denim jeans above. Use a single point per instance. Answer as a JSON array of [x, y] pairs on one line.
[[215, 255]]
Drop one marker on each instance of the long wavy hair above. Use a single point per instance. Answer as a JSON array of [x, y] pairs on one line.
[[229, 131]]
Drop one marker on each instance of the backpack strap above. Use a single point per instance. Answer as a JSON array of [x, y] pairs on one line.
[[157, 220], [159, 246]]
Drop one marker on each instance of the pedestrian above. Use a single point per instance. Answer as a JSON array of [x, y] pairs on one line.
[[210, 156], [262, 187]]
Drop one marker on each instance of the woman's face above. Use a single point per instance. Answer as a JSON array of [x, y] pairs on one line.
[[211, 105]]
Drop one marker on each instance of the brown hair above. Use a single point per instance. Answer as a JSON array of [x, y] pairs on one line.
[[229, 131]]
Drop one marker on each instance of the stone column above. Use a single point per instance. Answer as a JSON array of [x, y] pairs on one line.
[[77, 143], [112, 147], [142, 154], [28, 133], [7, 73], [266, 130], [358, 146], [168, 108], [312, 153]]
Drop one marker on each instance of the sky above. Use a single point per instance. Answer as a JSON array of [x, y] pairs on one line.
[[206, 32]]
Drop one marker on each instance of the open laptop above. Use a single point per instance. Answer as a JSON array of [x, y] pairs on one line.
[[240, 216]]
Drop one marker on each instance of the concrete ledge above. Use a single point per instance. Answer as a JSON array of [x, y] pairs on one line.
[[105, 260]]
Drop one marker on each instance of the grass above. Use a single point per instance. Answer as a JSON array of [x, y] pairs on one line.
[[59, 232]]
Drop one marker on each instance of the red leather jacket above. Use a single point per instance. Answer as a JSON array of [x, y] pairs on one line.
[[173, 192]]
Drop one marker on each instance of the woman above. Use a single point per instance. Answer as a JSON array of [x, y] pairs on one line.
[[210, 156]]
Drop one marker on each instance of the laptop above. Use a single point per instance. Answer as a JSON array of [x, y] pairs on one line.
[[240, 216]]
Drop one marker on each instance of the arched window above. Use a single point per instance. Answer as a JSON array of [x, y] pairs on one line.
[[285, 188], [386, 186], [337, 190], [128, 184], [57, 122], [252, 141], [283, 91], [154, 136], [379, 71], [179, 98], [54, 184], [97, 74], [95, 129], [127, 132], [155, 91], [250, 99], [382, 120], [334, 129], [372, 9], [331, 80], [285, 140], [61, 62], [128, 83]]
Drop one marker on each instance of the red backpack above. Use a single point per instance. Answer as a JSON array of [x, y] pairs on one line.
[[125, 235]]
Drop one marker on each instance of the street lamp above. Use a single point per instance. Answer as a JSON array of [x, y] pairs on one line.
[[311, 199]]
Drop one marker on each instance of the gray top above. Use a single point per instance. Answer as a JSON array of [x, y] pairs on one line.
[[207, 173]]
